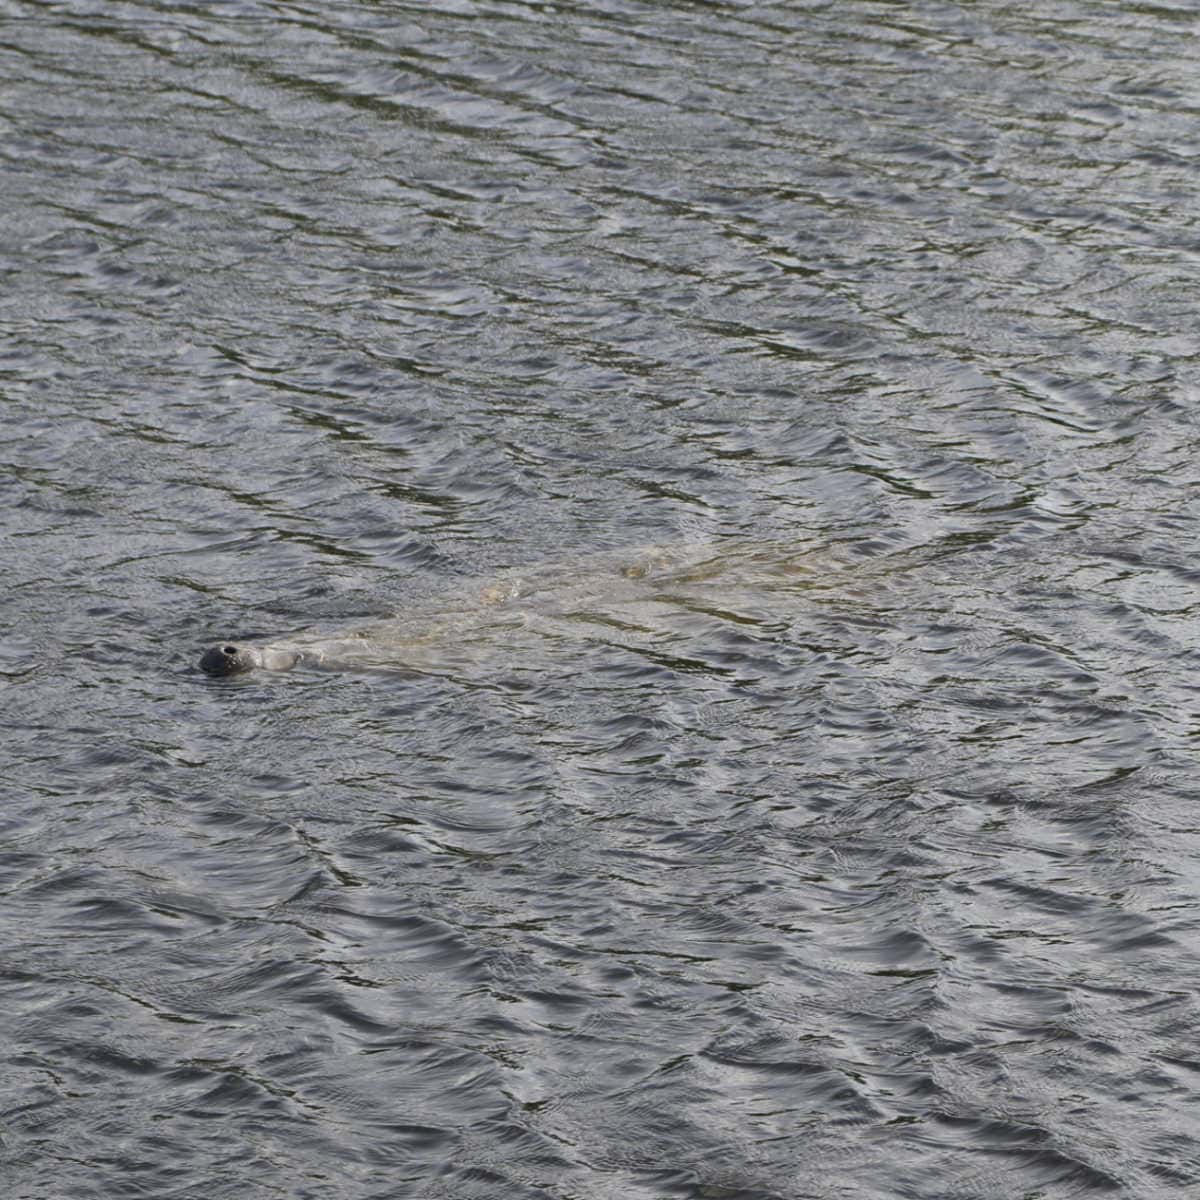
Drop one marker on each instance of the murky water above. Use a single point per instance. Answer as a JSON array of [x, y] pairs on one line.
[[858, 857]]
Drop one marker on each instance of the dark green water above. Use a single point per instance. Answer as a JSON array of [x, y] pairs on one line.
[[857, 862]]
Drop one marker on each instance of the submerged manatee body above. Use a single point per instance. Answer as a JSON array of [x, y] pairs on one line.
[[634, 596]]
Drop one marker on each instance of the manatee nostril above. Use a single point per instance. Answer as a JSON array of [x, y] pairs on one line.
[[230, 650]]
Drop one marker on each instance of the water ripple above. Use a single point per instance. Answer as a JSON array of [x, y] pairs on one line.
[[744, 455]]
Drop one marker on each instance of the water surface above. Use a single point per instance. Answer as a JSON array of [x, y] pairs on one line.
[[860, 860]]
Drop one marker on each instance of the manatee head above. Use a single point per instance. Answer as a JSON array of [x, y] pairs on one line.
[[227, 659]]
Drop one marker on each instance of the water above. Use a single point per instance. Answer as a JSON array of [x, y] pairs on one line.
[[862, 863]]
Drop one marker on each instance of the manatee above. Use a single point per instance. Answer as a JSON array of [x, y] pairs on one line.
[[634, 596]]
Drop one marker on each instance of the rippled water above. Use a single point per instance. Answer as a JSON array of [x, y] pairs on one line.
[[852, 856]]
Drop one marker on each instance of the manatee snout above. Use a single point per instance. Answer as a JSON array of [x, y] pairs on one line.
[[227, 659]]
